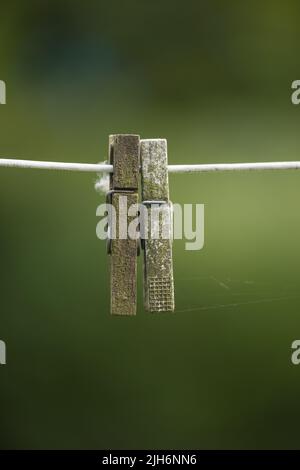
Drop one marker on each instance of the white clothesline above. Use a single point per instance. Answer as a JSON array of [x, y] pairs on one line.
[[202, 168], [105, 168], [60, 166]]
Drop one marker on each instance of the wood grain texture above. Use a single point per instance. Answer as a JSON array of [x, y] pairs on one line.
[[124, 151], [124, 155], [158, 261]]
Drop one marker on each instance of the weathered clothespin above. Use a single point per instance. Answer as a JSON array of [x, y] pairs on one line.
[[157, 229], [124, 155]]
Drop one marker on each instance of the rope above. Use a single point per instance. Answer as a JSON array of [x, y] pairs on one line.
[[105, 168], [234, 167], [86, 167]]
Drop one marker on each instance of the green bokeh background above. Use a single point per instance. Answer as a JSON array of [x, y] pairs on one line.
[[214, 78]]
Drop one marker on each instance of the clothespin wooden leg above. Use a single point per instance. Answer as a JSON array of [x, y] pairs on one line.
[[158, 262], [124, 155]]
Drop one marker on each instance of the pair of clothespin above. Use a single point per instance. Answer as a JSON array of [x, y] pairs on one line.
[[131, 156]]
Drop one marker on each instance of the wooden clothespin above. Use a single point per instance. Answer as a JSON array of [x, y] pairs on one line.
[[158, 262], [124, 155]]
